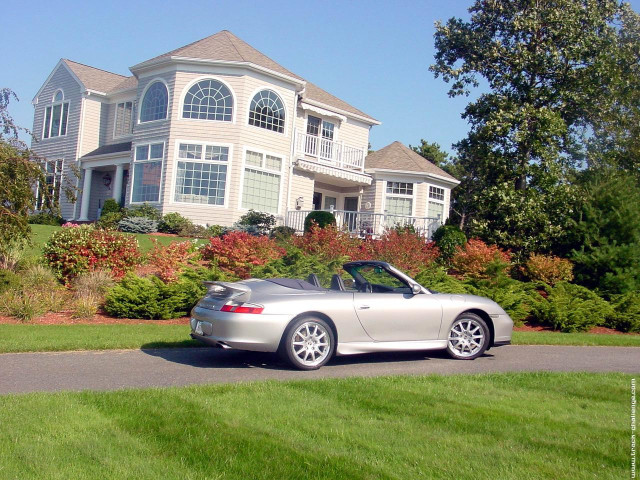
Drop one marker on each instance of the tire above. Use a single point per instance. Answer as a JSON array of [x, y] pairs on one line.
[[468, 337], [308, 343]]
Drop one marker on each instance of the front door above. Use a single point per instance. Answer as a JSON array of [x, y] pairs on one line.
[[351, 213], [317, 201]]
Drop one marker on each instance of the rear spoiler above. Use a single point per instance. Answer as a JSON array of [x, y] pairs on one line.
[[227, 290]]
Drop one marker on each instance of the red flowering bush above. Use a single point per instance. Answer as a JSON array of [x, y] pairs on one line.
[[237, 252], [405, 250], [548, 269], [328, 243], [171, 259], [74, 251], [473, 259]]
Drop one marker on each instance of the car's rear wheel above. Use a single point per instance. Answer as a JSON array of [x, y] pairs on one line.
[[308, 343], [468, 337]]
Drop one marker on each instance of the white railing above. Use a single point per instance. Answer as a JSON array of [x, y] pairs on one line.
[[365, 224], [330, 152]]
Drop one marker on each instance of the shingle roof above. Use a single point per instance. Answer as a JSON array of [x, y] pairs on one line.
[[94, 78], [113, 148], [226, 46], [397, 156]]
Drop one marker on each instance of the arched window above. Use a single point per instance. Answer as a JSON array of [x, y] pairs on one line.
[[267, 111], [154, 103], [208, 100], [59, 96]]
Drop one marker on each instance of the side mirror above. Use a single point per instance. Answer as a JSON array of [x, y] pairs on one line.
[[416, 289]]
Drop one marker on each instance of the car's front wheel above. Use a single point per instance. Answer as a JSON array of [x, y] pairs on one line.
[[468, 337], [308, 343]]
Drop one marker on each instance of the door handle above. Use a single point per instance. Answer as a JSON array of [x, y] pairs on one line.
[[363, 307]]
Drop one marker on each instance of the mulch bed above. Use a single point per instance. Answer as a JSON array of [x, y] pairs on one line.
[[65, 318], [544, 328]]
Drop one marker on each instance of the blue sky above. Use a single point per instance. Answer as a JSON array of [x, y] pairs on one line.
[[373, 54]]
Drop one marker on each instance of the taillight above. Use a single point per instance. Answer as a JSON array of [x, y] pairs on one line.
[[242, 308]]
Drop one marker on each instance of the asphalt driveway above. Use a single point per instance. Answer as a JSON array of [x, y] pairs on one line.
[[117, 369]]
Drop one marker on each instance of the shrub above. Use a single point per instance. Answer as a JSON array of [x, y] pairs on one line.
[[27, 302], [261, 221], [110, 221], [39, 276], [330, 244], [320, 218], [548, 269], [200, 231], [137, 297], [237, 252], [572, 308], [45, 218], [282, 233], [476, 257], [138, 225], [448, 238], [110, 206], [9, 280], [173, 223], [11, 254], [143, 210], [436, 278], [627, 313], [170, 260], [73, 251], [298, 264], [405, 250], [85, 306]]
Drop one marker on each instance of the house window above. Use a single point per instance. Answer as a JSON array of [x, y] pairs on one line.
[[261, 186], [435, 205], [147, 173], [154, 103], [320, 134], [123, 121], [48, 195], [56, 117], [201, 174], [208, 100], [267, 111], [399, 198], [436, 193]]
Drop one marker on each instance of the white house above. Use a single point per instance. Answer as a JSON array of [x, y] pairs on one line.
[[215, 128]]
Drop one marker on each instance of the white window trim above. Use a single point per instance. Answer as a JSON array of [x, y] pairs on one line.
[[185, 90], [144, 92], [336, 126], [444, 203], [56, 174], [44, 116], [115, 118], [286, 111], [261, 169], [162, 170], [399, 195], [174, 180]]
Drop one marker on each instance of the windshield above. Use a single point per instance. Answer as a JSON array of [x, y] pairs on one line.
[[373, 278]]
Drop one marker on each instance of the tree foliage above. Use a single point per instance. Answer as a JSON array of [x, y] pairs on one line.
[[545, 68], [432, 152]]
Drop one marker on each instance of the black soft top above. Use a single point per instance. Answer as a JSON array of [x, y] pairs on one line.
[[295, 283]]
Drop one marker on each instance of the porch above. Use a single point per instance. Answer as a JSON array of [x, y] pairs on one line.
[[367, 224]]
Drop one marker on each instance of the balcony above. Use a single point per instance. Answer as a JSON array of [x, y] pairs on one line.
[[366, 224], [330, 153]]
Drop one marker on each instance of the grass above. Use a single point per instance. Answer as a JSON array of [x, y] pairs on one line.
[[41, 233], [54, 338], [508, 426]]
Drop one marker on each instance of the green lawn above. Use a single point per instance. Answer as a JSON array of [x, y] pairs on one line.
[[41, 233], [507, 426], [51, 338]]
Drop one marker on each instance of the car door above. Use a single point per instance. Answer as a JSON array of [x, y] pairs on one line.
[[394, 317]]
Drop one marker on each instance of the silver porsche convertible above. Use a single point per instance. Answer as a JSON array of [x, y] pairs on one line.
[[377, 308]]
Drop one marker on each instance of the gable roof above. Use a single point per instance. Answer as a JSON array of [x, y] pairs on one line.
[[94, 78], [225, 46], [398, 157]]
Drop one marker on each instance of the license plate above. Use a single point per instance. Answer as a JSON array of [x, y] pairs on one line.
[[199, 328]]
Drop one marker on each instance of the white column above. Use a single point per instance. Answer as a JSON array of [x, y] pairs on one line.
[[86, 195], [117, 182]]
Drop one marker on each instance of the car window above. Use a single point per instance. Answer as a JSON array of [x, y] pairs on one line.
[[381, 281]]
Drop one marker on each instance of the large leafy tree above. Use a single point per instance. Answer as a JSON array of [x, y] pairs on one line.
[[432, 152], [544, 67]]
